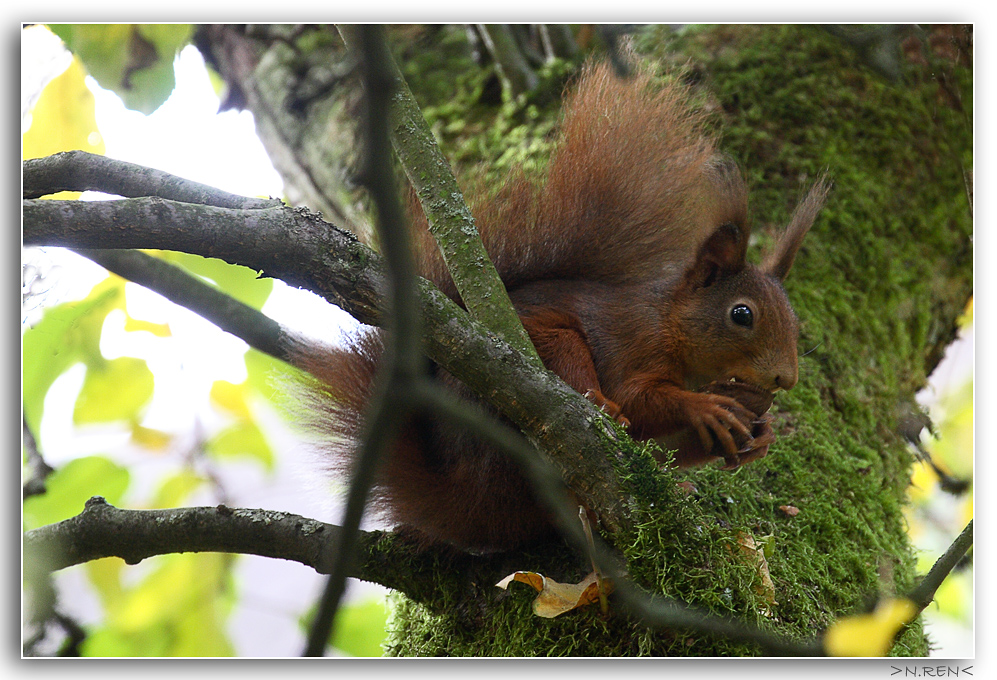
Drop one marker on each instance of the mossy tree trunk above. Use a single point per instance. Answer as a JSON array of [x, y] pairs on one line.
[[878, 287]]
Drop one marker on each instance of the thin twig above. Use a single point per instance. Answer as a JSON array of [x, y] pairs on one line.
[[40, 470], [924, 593], [403, 362], [450, 220], [257, 329]]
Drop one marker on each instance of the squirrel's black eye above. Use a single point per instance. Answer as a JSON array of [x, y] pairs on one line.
[[742, 316]]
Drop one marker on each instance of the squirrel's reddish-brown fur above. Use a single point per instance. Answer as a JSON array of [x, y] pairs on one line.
[[627, 266]]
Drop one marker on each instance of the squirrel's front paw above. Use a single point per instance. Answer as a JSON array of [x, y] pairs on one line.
[[723, 425], [753, 402], [610, 407]]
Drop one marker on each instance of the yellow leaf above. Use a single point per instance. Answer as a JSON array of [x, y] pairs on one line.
[[922, 482], [105, 576], [150, 438], [242, 439], [231, 398], [114, 390], [160, 330], [556, 598], [869, 634], [173, 492], [63, 118]]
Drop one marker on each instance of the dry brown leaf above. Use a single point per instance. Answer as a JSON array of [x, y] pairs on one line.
[[556, 598], [688, 487]]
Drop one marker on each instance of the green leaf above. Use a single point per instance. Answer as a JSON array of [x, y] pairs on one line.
[[242, 439], [133, 60], [176, 489], [263, 371], [180, 609], [359, 628], [241, 283], [71, 486], [113, 391], [112, 643], [67, 335]]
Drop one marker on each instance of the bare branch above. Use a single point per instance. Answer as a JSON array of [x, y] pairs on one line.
[[103, 530], [286, 243], [924, 593], [82, 171]]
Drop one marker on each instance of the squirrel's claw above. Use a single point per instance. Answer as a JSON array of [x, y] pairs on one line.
[[756, 447], [608, 406]]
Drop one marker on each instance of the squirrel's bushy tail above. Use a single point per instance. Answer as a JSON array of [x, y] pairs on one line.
[[635, 184], [427, 473]]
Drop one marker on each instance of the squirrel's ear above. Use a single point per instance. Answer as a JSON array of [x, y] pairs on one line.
[[780, 260], [722, 254]]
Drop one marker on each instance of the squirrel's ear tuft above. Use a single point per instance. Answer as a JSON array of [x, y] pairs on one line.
[[728, 191], [722, 254], [780, 260]]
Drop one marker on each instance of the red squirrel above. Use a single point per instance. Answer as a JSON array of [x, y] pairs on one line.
[[627, 267]]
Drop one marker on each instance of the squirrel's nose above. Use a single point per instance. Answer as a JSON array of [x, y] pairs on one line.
[[785, 381]]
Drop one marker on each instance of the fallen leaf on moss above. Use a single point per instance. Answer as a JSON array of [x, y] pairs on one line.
[[790, 510], [556, 598], [869, 634], [754, 552]]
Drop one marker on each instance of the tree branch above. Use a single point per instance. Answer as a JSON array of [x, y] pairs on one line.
[[924, 593], [516, 75], [279, 241], [103, 530], [82, 171]]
